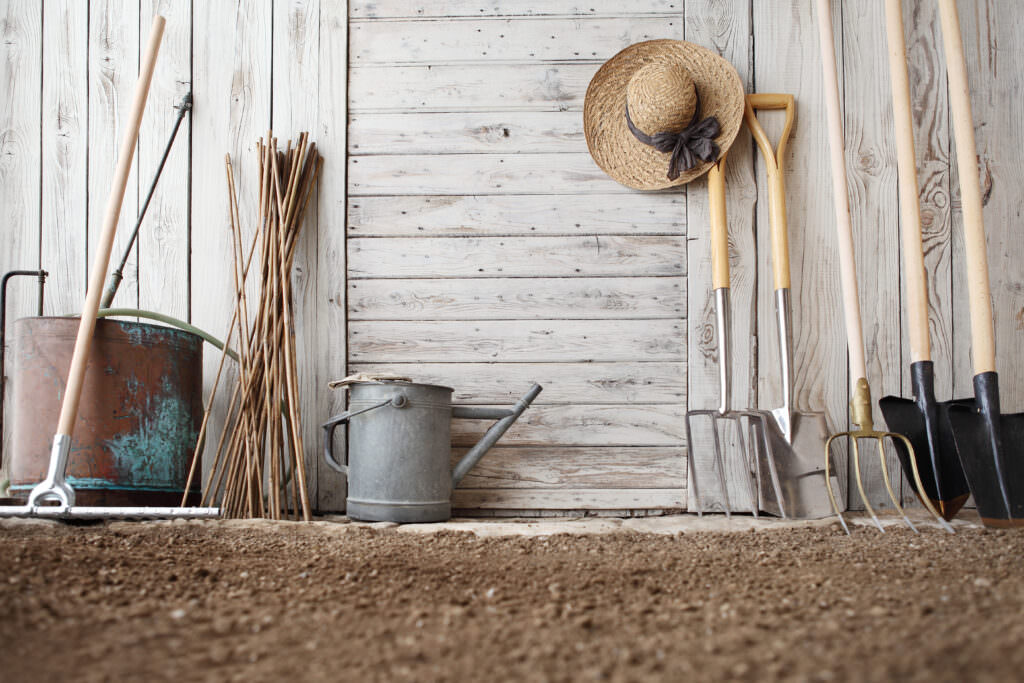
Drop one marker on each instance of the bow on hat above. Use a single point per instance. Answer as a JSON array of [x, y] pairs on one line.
[[693, 143]]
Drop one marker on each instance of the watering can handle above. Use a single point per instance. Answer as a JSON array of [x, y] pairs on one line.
[[343, 418]]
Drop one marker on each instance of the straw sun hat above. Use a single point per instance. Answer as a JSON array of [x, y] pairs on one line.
[[680, 98]]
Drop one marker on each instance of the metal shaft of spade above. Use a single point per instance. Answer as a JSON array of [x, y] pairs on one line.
[[923, 420], [117, 275]]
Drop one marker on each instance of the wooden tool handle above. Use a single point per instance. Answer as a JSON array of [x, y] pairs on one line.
[[719, 226], [983, 347], [906, 166], [98, 274], [844, 230], [776, 180]]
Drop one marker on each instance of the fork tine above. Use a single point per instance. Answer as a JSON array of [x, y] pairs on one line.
[[860, 482], [888, 484], [751, 492], [920, 487], [720, 465], [691, 469], [755, 455], [828, 480]]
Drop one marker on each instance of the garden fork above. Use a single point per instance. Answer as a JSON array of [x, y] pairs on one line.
[[753, 422]]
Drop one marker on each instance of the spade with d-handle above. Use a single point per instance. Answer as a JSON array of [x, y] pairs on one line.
[[797, 437], [923, 420], [990, 445]]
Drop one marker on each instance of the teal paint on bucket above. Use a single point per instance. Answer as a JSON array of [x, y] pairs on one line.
[[139, 417]]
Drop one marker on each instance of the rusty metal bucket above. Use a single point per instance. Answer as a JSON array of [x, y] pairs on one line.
[[139, 417]]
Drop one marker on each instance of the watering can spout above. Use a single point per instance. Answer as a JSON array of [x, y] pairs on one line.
[[505, 417]]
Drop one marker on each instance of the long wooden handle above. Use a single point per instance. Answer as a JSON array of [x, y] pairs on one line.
[[983, 346], [719, 226], [98, 274], [774, 160], [844, 230], [906, 166]]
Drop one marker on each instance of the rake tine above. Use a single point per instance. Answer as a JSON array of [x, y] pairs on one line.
[[860, 482], [888, 485], [828, 482]]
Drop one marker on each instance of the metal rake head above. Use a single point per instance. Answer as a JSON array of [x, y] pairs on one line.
[[860, 412]]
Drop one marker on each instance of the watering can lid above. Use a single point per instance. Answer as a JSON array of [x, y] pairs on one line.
[[362, 377]]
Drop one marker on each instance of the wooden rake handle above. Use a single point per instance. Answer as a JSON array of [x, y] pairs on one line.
[[906, 166], [841, 200], [719, 226], [983, 347], [776, 181], [98, 274]]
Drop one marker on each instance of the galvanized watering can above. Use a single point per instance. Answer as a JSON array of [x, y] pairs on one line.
[[399, 448]]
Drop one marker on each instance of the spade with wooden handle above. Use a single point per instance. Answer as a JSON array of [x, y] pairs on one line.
[[990, 445], [922, 419]]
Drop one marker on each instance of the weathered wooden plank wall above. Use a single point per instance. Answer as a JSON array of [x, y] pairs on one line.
[[611, 294], [463, 235]]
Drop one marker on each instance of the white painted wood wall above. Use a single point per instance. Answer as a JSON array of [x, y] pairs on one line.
[[463, 235]]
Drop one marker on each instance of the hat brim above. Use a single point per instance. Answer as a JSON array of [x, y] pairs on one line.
[[613, 146]]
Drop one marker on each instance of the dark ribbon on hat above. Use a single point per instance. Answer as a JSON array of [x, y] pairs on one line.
[[696, 141]]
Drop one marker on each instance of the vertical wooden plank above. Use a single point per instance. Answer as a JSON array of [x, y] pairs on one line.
[[787, 59], [725, 28], [331, 339], [21, 73], [113, 70], [871, 170], [231, 47], [296, 63], [64, 145], [163, 246], [995, 72]]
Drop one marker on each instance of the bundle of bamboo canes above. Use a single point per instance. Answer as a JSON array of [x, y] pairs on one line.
[[258, 467]]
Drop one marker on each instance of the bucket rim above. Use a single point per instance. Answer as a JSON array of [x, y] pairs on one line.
[[102, 321]]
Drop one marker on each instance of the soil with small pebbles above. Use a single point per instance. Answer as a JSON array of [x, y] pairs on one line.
[[259, 602]]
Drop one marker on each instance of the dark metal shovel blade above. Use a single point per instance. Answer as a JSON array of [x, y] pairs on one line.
[[991, 450], [923, 421]]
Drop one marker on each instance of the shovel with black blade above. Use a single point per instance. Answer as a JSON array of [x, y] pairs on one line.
[[989, 444], [922, 420]]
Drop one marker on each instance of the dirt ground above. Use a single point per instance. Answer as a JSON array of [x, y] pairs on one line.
[[221, 601]]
